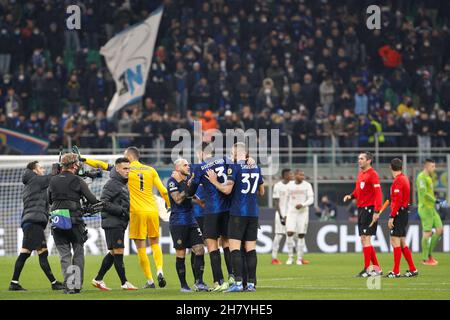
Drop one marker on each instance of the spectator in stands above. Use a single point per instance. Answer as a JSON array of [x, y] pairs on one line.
[[327, 210]]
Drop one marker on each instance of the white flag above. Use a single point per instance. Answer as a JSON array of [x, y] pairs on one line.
[[128, 56]]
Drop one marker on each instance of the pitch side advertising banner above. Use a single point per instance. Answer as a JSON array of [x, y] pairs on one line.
[[324, 237], [129, 57]]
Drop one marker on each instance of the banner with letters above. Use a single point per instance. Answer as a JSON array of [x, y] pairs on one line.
[[128, 56]]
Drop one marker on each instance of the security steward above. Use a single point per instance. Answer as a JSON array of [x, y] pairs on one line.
[[65, 192]]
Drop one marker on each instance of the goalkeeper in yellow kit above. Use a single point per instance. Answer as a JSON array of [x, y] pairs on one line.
[[144, 217]]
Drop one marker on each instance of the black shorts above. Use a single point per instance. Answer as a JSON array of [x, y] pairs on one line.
[[185, 236], [34, 237], [115, 238], [216, 225], [365, 215], [400, 223], [243, 228], [200, 222]]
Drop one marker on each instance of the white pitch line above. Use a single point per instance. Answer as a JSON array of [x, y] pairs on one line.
[[346, 288]]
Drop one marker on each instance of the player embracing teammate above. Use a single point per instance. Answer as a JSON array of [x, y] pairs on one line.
[[244, 184]]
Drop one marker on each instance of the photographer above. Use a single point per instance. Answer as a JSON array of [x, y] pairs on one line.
[[115, 217], [34, 222], [65, 193]]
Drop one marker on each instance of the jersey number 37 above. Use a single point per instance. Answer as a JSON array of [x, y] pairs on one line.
[[251, 182]]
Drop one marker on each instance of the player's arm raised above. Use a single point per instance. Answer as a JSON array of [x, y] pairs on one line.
[[98, 164], [225, 188]]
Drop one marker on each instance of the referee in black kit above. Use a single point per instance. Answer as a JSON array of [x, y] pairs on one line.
[[65, 193], [34, 221]]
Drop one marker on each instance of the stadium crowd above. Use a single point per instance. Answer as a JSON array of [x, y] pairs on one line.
[[310, 68]]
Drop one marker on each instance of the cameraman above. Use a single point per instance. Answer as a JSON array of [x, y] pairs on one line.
[[65, 192], [34, 221]]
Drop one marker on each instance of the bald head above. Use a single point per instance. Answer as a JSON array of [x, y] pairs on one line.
[[182, 166], [132, 154]]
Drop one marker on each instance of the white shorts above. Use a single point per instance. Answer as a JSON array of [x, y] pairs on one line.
[[279, 228], [297, 222]]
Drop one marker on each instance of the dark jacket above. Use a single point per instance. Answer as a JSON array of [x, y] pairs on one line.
[[116, 197], [66, 191], [35, 206]]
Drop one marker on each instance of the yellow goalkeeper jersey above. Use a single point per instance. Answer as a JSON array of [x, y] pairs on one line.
[[141, 180]]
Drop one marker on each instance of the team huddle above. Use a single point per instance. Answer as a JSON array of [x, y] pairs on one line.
[[212, 203]]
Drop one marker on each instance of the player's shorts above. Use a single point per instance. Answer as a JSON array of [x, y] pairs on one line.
[[185, 236], [200, 221], [429, 218], [400, 223], [243, 228], [216, 225], [115, 238], [33, 237], [144, 225], [297, 222], [365, 215], [279, 228]]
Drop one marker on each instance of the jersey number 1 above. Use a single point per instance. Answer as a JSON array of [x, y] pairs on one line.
[[141, 181]]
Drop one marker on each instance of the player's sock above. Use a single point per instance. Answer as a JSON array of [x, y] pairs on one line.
[[252, 261], [216, 267], [276, 245], [199, 267], [144, 263], [157, 256], [409, 259], [45, 266], [367, 251], [433, 242], [244, 266], [290, 246], [120, 267], [181, 271], [20, 262], [228, 261], [397, 257], [300, 247], [192, 264], [373, 256], [425, 248], [107, 263], [236, 259]]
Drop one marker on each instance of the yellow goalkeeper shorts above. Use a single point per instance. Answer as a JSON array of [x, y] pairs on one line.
[[144, 225]]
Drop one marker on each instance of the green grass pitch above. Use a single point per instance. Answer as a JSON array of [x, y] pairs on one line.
[[329, 276]]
